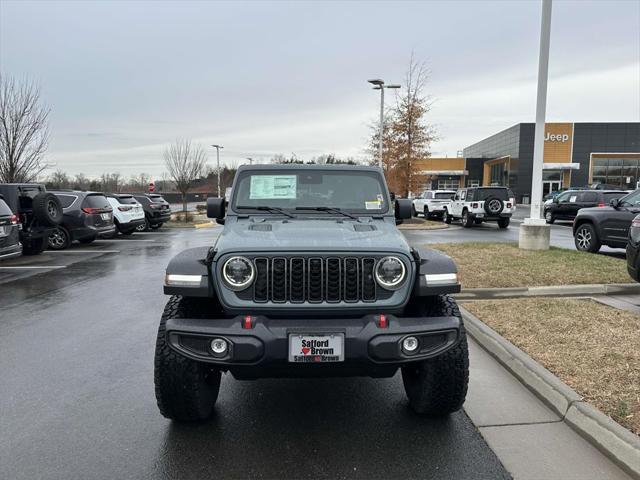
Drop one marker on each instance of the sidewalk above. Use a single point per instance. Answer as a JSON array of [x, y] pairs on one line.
[[530, 440]]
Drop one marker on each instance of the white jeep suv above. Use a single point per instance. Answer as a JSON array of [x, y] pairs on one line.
[[128, 214], [475, 205], [432, 202]]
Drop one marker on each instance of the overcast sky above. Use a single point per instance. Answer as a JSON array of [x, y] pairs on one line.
[[124, 79]]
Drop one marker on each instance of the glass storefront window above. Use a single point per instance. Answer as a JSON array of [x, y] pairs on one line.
[[616, 171]]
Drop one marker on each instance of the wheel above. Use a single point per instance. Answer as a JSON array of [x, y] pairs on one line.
[[143, 227], [35, 246], [446, 217], [156, 226], [60, 239], [413, 211], [548, 216], [186, 390], [425, 212], [47, 209], [87, 241], [438, 386], [493, 206], [467, 221], [586, 238], [504, 222]]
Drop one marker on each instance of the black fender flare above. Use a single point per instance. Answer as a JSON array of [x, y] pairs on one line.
[[433, 263], [192, 262]]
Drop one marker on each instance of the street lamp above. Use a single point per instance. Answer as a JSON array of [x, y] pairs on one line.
[[218, 147], [379, 85]]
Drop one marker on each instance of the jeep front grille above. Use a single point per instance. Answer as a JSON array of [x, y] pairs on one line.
[[314, 279]]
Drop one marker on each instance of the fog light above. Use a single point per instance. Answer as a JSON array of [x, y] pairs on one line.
[[410, 344], [218, 346]]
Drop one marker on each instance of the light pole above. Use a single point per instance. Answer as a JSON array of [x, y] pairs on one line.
[[534, 233], [218, 147], [250, 160], [379, 85]]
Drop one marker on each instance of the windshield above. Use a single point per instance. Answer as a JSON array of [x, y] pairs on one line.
[[359, 191], [631, 200]]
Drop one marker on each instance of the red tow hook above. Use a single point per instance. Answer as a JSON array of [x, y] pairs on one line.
[[247, 322], [382, 321]]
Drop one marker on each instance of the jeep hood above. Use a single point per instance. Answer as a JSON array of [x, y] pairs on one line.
[[310, 234]]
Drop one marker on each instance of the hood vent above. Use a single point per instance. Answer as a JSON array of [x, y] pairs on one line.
[[261, 227], [358, 227]]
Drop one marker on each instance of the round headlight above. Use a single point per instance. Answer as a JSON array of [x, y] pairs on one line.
[[238, 273], [390, 272]]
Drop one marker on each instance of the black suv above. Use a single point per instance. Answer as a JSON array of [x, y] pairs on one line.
[[566, 205], [87, 216], [608, 225], [39, 212], [9, 232], [310, 277], [156, 210]]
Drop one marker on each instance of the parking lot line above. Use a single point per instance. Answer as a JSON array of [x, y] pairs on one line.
[[32, 267], [82, 251], [118, 240]]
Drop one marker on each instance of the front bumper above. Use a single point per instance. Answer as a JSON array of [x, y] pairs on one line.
[[262, 351]]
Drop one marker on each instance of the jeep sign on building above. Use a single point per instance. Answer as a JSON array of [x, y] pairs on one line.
[[575, 154]]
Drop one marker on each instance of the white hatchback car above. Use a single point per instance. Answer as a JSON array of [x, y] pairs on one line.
[[432, 202], [128, 214]]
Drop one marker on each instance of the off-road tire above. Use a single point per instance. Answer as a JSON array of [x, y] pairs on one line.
[[504, 222], [35, 246], [586, 239], [414, 213], [549, 217], [47, 209], [438, 386], [425, 213], [60, 239], [186, 391], [467, 221]]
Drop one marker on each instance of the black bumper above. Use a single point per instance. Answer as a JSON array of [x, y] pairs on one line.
[[158, 217], [263, 349], [490, 217]]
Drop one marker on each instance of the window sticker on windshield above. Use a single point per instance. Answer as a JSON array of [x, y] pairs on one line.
[[272, 186], [573, 198], [373, 205], [380, 198]]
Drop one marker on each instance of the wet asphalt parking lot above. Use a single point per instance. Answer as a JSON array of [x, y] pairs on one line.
[[77, 401]]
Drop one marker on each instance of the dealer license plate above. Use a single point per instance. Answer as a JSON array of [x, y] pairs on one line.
[[305, 348]]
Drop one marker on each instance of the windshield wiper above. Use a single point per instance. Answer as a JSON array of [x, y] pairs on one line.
[[328, 209], [264, 208]]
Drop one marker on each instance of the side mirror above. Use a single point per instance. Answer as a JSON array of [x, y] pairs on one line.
[[216, 208], [555, 200], [403, 208], [615, 203]]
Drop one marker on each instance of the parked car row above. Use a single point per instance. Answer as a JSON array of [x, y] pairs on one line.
[[33, 219], [472, 205]]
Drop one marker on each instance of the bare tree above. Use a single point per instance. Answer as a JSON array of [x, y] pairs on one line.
[[24, 131], [58, 180], [185, 163]]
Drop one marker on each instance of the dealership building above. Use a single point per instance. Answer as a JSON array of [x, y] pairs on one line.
[[575, 155]]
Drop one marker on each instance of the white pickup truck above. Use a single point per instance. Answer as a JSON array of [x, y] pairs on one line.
[[432, 202]]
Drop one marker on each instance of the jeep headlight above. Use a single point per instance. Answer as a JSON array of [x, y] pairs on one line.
[[390, 272], [238, 273]]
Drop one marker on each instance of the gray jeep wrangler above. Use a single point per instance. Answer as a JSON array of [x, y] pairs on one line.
[[310, 277]]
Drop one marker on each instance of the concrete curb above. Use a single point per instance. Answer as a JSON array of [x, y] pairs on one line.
[[550, 291], [615, 441]]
